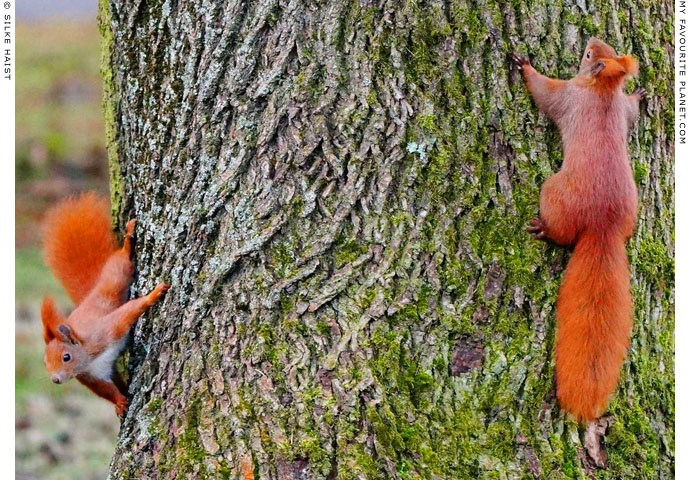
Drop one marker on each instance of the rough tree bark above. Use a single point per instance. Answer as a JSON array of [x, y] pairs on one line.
[[338, 193]]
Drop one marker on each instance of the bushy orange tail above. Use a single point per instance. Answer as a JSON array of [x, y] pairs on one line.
[[77, 241], [594, 315]]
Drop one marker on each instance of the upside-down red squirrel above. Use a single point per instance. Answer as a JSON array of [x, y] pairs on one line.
[[591, 205], [81, 250]]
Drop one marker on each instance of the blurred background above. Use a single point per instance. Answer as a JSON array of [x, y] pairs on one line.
[[61, 432]]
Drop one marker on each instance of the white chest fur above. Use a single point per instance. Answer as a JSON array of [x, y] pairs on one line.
[[102, 366]]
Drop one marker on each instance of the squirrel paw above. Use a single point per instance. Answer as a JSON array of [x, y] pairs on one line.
[[159, 291], [129, 237], [640, 92], [121, 408], [130, 227], [537, 228], [520, 61]]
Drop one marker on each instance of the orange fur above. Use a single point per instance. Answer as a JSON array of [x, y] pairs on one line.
[[51, 318], [590, 204], [594, 315], [80, 248], [629, 64], [77, 241], [107, 390]]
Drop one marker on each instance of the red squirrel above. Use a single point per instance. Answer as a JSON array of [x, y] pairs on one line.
[[81, 250], [591, 205]]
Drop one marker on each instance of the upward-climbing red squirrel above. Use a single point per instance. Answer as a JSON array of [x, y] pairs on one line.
[[591, 204], [81, 250]]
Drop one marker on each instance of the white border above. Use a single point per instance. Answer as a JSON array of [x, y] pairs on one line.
[[682, 202], [7, 221], [682, 81]]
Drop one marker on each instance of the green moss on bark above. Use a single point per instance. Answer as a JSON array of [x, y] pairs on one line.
[[110, 105], [399, 322]]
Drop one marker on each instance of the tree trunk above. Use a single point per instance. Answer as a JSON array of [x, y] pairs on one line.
[[338, 193]]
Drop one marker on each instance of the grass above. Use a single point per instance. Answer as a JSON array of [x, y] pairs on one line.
[[58, 95], [32, 276]]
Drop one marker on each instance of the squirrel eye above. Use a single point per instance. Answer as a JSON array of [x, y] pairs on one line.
[[589, 54], [66, 357]]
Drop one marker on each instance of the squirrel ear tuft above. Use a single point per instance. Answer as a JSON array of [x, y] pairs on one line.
[[51, 319], [629, 64]]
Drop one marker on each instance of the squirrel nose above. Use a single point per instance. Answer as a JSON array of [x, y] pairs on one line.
[[56, 379]]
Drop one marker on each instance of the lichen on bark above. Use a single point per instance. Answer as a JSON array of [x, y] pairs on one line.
[[338, 194]]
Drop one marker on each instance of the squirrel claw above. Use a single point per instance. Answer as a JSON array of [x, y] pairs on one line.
[[160, 290], [519, 60], [157, 293], [640, 92], [536, 228]]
